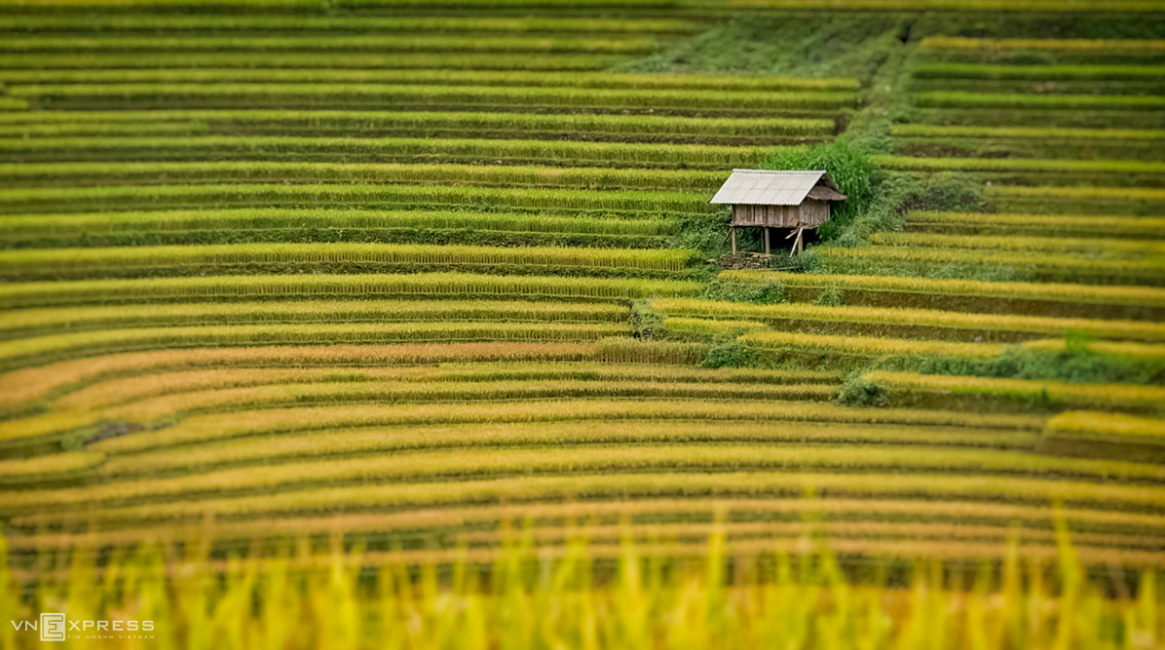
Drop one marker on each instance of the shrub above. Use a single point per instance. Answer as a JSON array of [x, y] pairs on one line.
[[848, 168]]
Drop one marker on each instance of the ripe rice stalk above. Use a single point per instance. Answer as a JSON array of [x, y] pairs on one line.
[[911, 163], [190, 260], [1103, 248], [198, 429], [347, 443], [60, 465], [1061, 394], [1025, 132], [1078, 293], [460, 286], [1035, 73], [341, 60], [151, 197], [415, 97], [464, 463], [18, 353], [1115, 428], [41, 321], [867, 346], [800, 312], [920, 486], [281, 151], [23, 387], [1065, 225], [628, 350], [959, 99], [1083, 44]]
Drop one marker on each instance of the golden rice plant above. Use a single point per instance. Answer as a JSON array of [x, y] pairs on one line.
[[866, 346]]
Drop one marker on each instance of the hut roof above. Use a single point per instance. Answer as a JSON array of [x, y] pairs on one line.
[[766, 187]]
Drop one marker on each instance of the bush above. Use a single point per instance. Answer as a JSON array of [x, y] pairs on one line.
[[730, 354], [645, 322], [859, 392], [768, 293], [848, 168], [830, 297]]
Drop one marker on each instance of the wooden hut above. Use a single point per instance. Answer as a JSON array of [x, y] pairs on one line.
[[791, 200]]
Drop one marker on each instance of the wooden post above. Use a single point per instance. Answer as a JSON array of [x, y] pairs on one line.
[[767, 245], [733, 229]]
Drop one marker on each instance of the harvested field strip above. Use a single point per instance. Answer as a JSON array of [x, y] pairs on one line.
[[915, 486], [404, 96], [885, 320], [1077, 293], [15, 323], [959, 99], [56, 347], [118, 391], [275, 22], [206, 428], [1021, 132], [343, 443], [1037, 72], [234, 226], [191, 260], [1093, 248], [421, 465], [1111, 396], [1081, 44], [281, 122], [386, 60], [1037, 520], [629, 45], [424, 150], [24, 386], [859, 346], [908, 163], [430, 77], [114, 173], [364, 286], [152, 197], [1045, 225], [1033, 265]]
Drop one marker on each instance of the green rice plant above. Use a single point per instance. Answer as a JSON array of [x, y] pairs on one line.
[[423, 76], [1032, 266], [874, 321], [23, 387], [947, 5], [293, 23], [419, 124], [863, 346], [363, 286], [108, 149], [1036, 72], [50, 129], [1108, 434], [190, 260], [13, 104], [339, 443], [153, 197], [298, 225], [55, 347], [627, 45], [199, 429], [958, 99], [485, 462], [1130, 351], [1093, 248], [928, 389], [386, 60], [909, 163], [1103, 226], [74, 319], [1022, 132], [69, 96]]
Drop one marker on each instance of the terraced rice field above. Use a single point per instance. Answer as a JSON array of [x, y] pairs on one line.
[[391, 277]]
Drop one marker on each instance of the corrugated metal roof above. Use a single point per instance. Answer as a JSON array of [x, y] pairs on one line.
[[766, 187]]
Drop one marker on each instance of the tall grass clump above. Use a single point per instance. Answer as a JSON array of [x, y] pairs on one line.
[[849, 169]]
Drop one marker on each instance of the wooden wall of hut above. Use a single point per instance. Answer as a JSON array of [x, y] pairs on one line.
[[809, 214]]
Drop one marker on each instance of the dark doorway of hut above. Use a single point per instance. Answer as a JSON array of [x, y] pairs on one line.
[[788, 204], [771, 240]]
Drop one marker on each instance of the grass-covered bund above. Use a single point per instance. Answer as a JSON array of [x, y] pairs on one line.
[[373, 323]]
